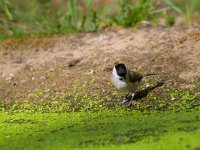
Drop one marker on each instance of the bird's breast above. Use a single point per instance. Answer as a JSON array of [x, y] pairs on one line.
[[123, 86]]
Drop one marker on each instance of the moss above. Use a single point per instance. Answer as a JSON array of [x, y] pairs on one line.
[[105, 129], [87, 94]]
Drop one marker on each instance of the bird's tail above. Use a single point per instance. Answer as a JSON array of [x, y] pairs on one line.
[[149, 76]]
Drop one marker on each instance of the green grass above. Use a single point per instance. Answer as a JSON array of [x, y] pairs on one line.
[[106, 129], [187, 10], [133, 13], [20, 17]]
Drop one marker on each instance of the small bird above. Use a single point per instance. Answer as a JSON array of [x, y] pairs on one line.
[[127, 81]]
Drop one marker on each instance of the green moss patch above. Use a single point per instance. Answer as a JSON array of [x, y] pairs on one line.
[[106, 129]]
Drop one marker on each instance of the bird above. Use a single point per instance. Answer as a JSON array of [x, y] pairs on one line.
[[127, 81]]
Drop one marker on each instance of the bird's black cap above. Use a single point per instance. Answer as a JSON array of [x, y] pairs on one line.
[[121, 70]]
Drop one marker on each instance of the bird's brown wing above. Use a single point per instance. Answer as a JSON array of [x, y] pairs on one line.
[[135, 76]]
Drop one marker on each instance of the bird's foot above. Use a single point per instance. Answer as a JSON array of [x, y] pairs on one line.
[[128, 100]]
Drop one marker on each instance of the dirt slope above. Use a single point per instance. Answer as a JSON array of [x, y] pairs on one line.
[[29, 64]]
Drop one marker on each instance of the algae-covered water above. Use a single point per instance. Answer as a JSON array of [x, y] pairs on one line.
[[106, 129]]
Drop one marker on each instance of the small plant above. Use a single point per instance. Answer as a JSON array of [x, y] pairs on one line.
[[186, 10], [169, 20], [4, 5], [90, 21], [72, 16], [133, 13]]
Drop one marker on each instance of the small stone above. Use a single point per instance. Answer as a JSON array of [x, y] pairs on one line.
[[73, 62]]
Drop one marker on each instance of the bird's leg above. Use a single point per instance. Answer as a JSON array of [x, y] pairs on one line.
[[130, 102], [132, 99], [132, 96], [127, 100]]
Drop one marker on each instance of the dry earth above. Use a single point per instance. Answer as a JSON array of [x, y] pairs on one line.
[[27, 65]]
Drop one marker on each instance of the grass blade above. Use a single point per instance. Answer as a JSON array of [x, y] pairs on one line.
[[176, 8]]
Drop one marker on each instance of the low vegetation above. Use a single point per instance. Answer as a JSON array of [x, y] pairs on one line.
[[19, 18], [106, 129]]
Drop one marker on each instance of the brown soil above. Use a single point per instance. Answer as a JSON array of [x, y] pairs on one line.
[[27, 65]]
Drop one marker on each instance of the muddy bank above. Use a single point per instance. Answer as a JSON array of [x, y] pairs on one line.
[[27, 65]]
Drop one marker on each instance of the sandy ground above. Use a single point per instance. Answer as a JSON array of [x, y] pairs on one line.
[[28, 64]]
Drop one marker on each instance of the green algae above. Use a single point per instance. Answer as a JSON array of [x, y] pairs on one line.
[[106, 129]]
